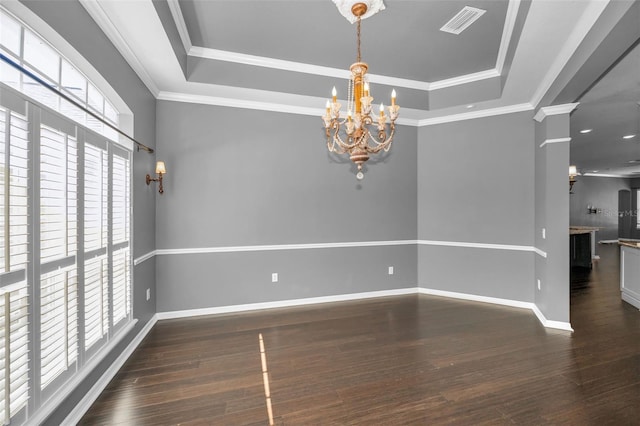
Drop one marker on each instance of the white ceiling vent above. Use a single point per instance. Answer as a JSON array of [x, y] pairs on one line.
[[463, 19]]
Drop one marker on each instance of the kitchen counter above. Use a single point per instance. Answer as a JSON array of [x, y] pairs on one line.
[[574, 230], [632, 244], [582, 245]]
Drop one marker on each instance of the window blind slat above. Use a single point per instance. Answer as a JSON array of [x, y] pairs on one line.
[[58, 322], [57, 230]]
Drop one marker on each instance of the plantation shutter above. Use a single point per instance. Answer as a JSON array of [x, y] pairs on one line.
[[96, 272], [65, 247], [58, 247], [121, 227], [14, 295]]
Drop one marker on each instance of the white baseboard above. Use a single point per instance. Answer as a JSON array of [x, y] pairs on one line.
[[560, 325], [283, 303], [476, 298], [83, 406], [631, 297], [366, 295], [90, 397], [505, 302], [65, 390]]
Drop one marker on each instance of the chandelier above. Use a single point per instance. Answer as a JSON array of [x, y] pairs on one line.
[[354, 134]]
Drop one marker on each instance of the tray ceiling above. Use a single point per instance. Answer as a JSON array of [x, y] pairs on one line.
[[285, 55]]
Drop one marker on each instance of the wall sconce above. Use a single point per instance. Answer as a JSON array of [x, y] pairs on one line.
[[160, 170], [592, 209], [573, 172]]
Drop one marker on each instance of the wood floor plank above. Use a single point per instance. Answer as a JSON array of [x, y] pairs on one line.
[[403, 360]]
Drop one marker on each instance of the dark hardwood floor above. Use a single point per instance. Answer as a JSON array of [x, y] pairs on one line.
[[390, 361]]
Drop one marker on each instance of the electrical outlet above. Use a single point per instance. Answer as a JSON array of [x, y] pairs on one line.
[[390, 270], [538, 284], [148, 293], [274, 277]]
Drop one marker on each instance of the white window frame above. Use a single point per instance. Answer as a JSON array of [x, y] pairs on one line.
[[42, 402], [72, 56]]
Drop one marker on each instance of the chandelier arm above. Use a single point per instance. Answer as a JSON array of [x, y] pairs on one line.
[[337, 140], [331, 141], [383, 144], [334, 146]]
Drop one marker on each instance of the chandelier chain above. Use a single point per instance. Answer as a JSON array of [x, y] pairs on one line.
[[358, 32]]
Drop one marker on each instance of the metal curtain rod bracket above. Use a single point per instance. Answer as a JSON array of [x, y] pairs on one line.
[[31, 75]]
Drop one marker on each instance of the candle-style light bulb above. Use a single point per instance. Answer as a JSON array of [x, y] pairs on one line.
[[381, 110], [349, 116], [393, 97], [328, 106], [366, 88], [334, 94]]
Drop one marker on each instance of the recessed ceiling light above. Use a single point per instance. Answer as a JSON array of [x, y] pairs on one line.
[[628, 136], [586, 131], [470, 106], [595, 171]]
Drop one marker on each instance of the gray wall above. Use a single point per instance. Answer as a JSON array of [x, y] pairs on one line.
[[73, 23], [602, 193], [241, 177], [475, 185], [238, 177], [552, 215]]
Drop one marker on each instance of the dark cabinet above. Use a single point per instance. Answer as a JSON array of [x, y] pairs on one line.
[[580, 246]]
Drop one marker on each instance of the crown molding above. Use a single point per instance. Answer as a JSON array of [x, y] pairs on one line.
[[554, 110], [464, 79], [279, 64], [318, 112], [99, 15], [248, 104], [556, 140], [582, 27], [266, 62], [300, 67], [238, 103], [181, 25], [490, 112], [507, 33]]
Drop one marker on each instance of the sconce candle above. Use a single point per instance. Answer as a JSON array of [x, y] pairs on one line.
[[573, 172], [160, 170]]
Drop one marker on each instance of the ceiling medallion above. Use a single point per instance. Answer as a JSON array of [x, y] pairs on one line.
[[345, 7], [357, 140]]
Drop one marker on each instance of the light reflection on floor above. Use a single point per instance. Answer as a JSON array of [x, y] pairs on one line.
[[265, 379]]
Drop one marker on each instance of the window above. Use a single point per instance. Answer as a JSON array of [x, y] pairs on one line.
[[96, 287], [26, 48], [14, 292], [58, 246], [121, 231], [65, 208]]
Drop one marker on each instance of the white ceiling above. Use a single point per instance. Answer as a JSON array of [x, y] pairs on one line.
[[286, 55], [611, 110]]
